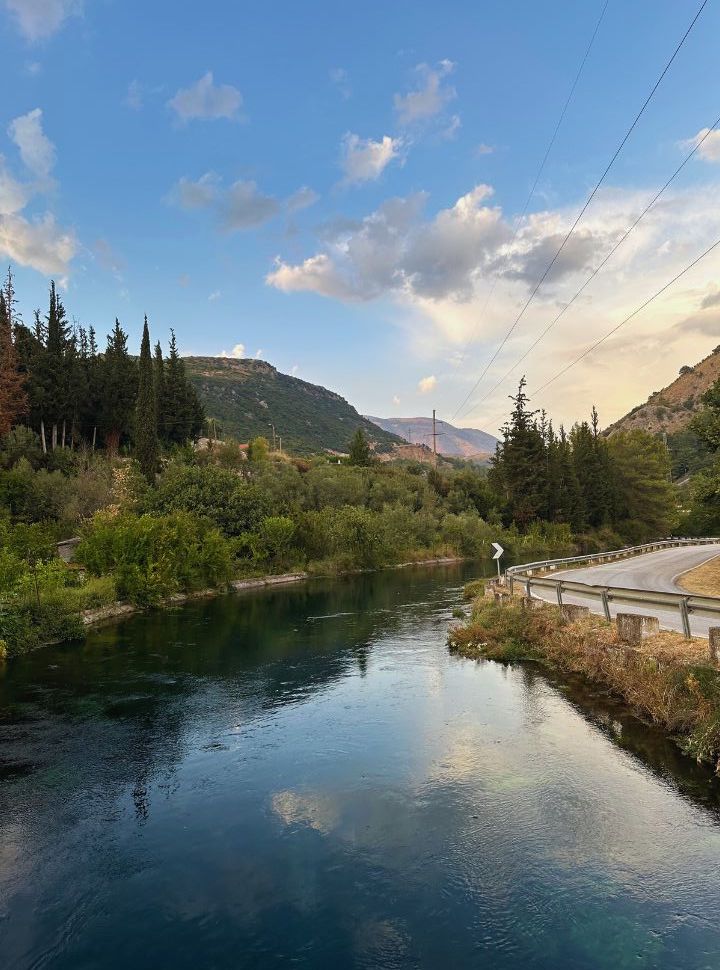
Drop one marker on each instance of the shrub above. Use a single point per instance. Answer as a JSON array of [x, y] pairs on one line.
[[152, 557]]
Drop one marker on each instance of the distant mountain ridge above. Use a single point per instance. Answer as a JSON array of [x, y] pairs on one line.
[[670, 410], [246, 396], [452, 442]]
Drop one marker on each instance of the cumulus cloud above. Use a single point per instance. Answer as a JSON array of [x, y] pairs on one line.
[[36, 242], [237, 353], [36, 150], [709, 151], [427, 384], [364, 159], [429, 96], [240, 206], [206, 101], [39, 243], [40, 19], [395, 251]]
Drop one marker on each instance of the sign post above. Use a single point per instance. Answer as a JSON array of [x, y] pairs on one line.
[[498, 554]]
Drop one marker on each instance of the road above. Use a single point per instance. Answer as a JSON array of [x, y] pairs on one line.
[[658, 571]]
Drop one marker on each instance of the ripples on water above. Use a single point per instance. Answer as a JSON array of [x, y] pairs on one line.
[[305, 777]]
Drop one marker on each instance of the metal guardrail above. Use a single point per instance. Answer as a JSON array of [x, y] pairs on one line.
[[685, 605]]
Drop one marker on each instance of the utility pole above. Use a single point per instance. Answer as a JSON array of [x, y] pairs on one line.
[[273, 431], [434, 436]]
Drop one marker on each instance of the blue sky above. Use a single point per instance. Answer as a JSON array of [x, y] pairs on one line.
[[337, 186]]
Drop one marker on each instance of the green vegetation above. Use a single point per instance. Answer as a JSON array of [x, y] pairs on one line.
[[702, 517], [246, 396], [100, 445]]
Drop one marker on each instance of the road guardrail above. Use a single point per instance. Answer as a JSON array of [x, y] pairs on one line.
[[686, 605]]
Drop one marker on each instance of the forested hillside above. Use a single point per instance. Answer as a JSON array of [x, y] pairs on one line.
[[247, 396]]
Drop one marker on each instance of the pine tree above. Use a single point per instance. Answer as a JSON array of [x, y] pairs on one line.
[[13, 398], [146, 439], [118, 388], [182, 414], [519, 469], [57, 376]]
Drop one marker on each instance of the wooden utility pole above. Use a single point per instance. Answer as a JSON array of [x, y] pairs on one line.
[[434, 436]]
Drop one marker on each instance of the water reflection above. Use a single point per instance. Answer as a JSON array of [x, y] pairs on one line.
[[305, 775]]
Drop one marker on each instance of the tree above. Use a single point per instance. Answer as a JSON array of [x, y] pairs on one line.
[[258, 449], [182, 415], [118, 382], [159, 379], [13, 399], [359, 449], [146, 440], [519, 467], [646, 503]]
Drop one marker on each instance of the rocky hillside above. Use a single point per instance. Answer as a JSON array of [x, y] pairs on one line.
[[670, 409], [452, 442], [246, 396]]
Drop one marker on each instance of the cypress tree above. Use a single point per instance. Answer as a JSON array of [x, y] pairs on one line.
[[146, 440], [159, 378]]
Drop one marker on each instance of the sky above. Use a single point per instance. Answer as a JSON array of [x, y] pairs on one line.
[[345, 190]]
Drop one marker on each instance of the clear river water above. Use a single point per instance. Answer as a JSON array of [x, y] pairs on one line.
[[305, 777]]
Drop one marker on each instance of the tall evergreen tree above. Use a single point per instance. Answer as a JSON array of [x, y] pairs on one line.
[[118, 383], [146, 439], [519, 468], [182, 414], [159, 378], [13, 398]]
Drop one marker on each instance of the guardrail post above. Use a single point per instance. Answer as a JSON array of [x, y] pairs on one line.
[[511, 580], [685, 617], [558, 591], [606, 604], [527, 588]]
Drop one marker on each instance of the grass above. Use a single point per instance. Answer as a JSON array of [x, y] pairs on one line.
[[704, 579], [667, 680]]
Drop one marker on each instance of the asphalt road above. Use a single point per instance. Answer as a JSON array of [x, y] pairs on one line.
[[658, 571]]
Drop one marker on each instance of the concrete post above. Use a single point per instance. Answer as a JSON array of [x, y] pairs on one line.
[[632, 628], [714, 643]]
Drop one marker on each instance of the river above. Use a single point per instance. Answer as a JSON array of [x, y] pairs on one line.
[[305, 777]]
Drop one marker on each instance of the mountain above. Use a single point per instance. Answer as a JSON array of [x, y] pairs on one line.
[[671, 409], [245, 396], [452, 442]]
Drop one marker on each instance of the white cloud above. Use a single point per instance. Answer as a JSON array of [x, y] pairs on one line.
[[483, 149], [40, 244], [36, 150], [295, 368], [365, 159], [206, 101], [240, 206], [709, 151], [258, 353], [429, 96], [215, 295], [437, 269], [39, 19], [427, 384], [452, 128], [237, 353], [395, 400], [13, 195], [302, 199]]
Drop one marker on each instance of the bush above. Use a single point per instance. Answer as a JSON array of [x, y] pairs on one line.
[[152, 557]]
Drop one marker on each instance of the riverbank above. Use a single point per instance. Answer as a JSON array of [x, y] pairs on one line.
[[664, 678], [120, 609]]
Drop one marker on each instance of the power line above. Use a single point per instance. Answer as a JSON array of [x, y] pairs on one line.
[[603, 262], [629, 317], [585, 206], [537, 177]]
